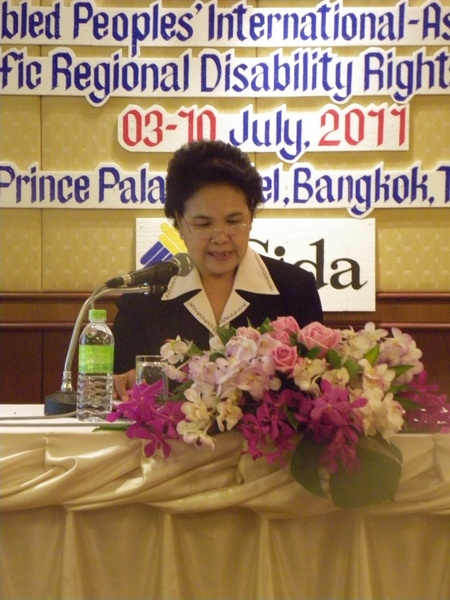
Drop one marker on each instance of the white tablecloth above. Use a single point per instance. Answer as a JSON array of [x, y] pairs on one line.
[[87, 517]]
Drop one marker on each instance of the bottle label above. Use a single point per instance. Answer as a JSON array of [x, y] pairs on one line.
[[95, 359]]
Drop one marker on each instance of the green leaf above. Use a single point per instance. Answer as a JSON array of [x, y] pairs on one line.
[[264, 327], [194, 349], [215, 355], [178, 392], [352, 367], [302, 350], [400, 369], [113, 426], [399, 388], [334, 359], [313, 353], [376, 481], [407, 403], [378, 442], [293, 340], [373, 354], [290, 415], [225, 334], [305, 465]]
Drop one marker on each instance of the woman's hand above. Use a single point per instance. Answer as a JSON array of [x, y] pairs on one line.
[[122, 383]]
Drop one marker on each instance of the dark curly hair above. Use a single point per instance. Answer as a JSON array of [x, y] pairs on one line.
[[205, 162]]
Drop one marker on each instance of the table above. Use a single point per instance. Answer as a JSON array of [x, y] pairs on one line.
[[85, 516]]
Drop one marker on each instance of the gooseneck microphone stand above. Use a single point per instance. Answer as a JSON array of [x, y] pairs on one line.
[[65, 401]]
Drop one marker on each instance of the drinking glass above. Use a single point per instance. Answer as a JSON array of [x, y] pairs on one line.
[[150, 369]]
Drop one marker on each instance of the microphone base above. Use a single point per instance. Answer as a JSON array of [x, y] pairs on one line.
[[60, 403]]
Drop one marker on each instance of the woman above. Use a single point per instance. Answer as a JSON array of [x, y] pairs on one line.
[[212, 192]]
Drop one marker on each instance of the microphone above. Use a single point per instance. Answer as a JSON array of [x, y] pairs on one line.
[[152, 280], [180, 264]]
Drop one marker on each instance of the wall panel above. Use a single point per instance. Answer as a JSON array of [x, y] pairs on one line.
[[21, 369]]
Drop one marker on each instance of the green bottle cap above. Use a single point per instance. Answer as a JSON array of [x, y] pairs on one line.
[[97, 314]]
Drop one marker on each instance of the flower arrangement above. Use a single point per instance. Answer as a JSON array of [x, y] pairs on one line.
[[327, 400]]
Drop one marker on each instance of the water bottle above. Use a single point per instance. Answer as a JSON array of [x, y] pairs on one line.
[[95, 369]]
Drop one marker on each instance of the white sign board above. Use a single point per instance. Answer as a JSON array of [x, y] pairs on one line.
[[340, 253]]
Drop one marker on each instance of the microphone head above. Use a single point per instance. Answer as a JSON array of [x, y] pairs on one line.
[[184, 262]]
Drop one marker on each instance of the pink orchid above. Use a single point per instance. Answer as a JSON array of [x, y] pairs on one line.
[[266, 428], [432, 412], [151, 421], [333, 421]]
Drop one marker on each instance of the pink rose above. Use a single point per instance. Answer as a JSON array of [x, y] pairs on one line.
[[284, 358], [284, 327], [248, 332], [317, 335]]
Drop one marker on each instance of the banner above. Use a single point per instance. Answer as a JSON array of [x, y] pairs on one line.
[[339, 252]]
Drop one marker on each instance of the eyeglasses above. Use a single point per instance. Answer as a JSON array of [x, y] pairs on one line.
[[208, 233]]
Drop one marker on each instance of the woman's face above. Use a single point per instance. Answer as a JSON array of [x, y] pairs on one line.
[[216, 207]]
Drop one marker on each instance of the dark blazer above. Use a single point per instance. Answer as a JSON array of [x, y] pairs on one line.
[[144, 323]]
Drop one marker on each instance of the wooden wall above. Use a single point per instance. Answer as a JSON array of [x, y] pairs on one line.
[[35, 331]]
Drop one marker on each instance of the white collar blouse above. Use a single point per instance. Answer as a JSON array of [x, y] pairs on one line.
[[251, 275]]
